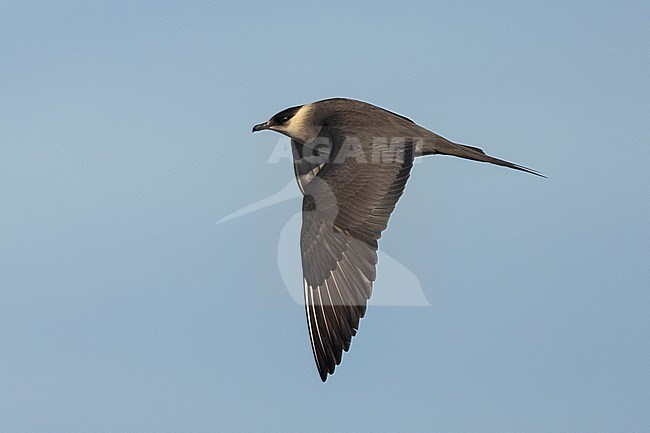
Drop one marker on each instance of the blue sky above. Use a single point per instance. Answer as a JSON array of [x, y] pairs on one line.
[[125, 135]]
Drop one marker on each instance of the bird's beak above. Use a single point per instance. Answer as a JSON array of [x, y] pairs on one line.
[[261, 127]]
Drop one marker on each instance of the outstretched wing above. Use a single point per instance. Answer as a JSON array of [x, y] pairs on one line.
[[346, 206]]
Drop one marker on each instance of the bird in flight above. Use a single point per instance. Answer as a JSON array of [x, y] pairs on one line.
[[351, 161]]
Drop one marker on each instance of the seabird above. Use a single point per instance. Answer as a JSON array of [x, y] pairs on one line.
[[351, 161]]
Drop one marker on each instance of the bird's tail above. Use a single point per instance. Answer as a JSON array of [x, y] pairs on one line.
[[442, 146]]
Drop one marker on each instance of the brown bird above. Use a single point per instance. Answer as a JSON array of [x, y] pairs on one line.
[[351, 160]]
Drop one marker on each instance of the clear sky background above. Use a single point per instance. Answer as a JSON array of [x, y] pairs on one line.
[[125, 135]]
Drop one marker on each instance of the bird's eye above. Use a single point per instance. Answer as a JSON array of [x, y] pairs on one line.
[[283, 119]]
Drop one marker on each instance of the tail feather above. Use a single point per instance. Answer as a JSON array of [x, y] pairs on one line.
[[443, 146]]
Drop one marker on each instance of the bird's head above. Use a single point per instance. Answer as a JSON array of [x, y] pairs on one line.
[[294, 122]]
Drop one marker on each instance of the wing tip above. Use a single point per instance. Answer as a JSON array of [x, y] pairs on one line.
[[323, 375]]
